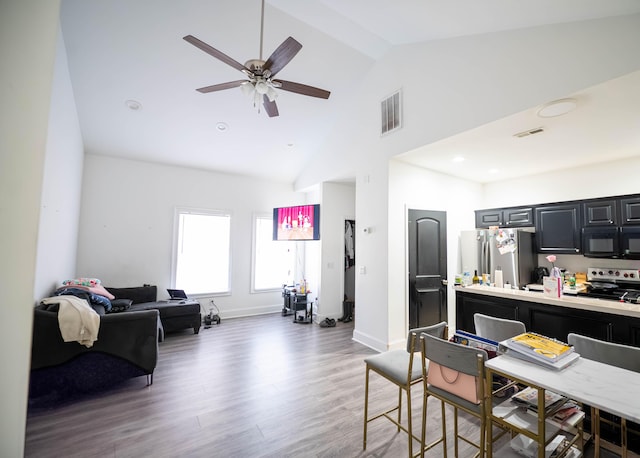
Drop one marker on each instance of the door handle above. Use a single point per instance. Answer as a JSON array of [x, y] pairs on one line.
[[445, 282]]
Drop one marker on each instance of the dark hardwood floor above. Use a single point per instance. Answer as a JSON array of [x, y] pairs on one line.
[[249, 387]]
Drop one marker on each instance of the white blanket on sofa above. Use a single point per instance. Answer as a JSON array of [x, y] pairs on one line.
[[77, 320]]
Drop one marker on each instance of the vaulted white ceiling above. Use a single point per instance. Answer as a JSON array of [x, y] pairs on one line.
[[122, 50]]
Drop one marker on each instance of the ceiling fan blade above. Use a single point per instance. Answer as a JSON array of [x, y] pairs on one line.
[[215, 53], [304, 89], [221, 86], [270, 107], [282, 55]]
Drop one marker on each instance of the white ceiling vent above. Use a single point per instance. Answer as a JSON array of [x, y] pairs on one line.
[[390, 113], [526, 133]]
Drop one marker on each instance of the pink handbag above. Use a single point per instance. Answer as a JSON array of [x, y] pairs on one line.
[[455, 382]]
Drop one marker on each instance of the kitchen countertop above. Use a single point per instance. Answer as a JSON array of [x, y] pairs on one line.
[[577, 302]]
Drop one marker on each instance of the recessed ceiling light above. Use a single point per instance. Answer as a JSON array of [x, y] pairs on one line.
[[222, 126], [557, 108], [133, 105], [458, 159], [493, 170]]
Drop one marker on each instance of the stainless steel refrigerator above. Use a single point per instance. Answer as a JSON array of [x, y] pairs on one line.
[[511, 250]]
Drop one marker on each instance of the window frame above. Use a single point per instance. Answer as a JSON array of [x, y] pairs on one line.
[[178, 211], [292, 246]]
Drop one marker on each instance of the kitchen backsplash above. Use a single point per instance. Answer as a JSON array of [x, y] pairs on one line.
[[577, 263]]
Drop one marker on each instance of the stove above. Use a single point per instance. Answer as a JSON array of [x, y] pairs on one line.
[[621, 285]]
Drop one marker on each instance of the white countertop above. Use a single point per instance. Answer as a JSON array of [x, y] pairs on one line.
[[576, 302]]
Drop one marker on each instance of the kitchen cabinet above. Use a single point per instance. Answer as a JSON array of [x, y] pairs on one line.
[[505, 217], [487, 218], [550, 320], [558, 228], [630, 210], [600, 213]]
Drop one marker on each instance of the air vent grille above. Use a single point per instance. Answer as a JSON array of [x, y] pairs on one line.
[[390, 113], [526, 133]]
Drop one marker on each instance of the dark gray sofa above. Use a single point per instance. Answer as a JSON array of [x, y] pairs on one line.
[[174, 315], [127, 346]]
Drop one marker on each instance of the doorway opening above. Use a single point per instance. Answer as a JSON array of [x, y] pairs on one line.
[[348, 304]]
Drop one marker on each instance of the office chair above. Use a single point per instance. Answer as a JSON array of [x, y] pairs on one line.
[[497, 329], [397, 366], [457, 360], [619, 355]]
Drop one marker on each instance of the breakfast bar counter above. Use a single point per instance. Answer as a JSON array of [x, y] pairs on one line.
[[554, 317], [567, 300]]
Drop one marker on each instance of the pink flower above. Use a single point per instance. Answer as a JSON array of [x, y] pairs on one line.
[[551, 258]]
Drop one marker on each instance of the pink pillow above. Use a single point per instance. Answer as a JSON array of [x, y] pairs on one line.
[[92, 285]]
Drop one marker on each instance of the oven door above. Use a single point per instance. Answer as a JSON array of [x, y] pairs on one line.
[[630, 242], [602, 242]]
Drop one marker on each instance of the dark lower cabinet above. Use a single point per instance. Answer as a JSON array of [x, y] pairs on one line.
[[549, 320]]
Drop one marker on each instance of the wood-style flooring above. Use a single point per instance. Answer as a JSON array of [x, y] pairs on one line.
[[249, 387]]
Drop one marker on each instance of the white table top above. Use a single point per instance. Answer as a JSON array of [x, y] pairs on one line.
[[609, 388]]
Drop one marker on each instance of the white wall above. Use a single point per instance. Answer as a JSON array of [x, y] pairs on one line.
[[450, 86], [27, 51], [61, 185], [416, 188], [580, 182], [127, 220], [338, 205]]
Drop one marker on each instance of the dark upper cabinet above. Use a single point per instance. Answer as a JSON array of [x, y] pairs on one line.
[[600, 213], [504, 217], [486, 218], [630, 211], [517, 217], [558, 228]]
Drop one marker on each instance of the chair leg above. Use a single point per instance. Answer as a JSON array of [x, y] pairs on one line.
[[399, 407], [455, 431], [623, 432], [423, 433], [366, 409], [444, 430], [409, 425]]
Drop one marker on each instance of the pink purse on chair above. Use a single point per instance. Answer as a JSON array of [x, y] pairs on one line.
[[455, 382]]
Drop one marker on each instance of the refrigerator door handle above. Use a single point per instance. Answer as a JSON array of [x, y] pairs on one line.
[[485, 257]]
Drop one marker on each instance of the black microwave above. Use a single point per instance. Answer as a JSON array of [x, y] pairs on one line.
[[611, 242]]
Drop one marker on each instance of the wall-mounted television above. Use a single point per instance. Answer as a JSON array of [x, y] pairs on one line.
[[300, 222]]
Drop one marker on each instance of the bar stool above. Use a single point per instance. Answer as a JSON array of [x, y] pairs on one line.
[[619, 355], [397, 366]]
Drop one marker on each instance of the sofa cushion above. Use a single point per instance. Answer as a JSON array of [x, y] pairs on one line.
[[169, 308], [137, 294], [120, 305]]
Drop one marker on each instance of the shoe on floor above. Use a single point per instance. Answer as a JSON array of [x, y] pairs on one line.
[[328, 323]]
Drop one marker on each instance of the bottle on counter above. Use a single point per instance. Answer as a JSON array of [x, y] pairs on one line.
[[498, 277], [475, 280]]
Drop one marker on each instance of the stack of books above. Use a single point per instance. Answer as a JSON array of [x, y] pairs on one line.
[[539, 349], [528, 398]]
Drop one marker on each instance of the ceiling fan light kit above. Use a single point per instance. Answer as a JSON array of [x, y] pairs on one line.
[[261, 85]]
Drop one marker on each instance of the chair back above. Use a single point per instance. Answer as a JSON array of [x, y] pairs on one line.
[[413, 339], [497, 329], [624, 356], [453, 355]]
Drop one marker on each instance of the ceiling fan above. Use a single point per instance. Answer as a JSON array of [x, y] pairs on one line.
[[261, 84]]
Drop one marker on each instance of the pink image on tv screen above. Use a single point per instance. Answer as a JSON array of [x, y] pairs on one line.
[[296, 223]]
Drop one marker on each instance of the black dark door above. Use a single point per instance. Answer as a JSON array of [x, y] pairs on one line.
[[427, 267]]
